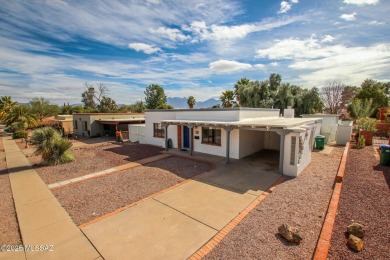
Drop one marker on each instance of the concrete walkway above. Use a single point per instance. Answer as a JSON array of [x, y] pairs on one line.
[[175, 224], [42, 220]]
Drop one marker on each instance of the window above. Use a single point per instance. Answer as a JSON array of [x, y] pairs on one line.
[[211, 135], [85, 126], [158, 131], [75, 124], [293, 148]]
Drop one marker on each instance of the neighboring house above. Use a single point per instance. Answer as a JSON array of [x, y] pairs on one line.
[[104, 124], [235, 133], [66, 123]]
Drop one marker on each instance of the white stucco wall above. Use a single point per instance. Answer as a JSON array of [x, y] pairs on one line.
[[258, 113], [156, 117], [207, 115], [271, 141], [329, 125], [344, 132], [251, 141]]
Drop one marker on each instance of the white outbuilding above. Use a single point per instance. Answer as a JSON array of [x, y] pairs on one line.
[[235, 133]]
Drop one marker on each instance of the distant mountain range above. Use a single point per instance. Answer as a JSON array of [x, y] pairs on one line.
[[178, 102]]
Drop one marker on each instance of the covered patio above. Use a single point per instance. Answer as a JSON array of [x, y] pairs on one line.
[[296, 128]]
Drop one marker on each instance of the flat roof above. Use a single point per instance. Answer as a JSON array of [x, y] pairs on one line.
[[105, 114], [213, 109], [120, 120], [261, 122]]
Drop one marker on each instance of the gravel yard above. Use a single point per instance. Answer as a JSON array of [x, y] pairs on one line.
[[302, 202], [365, 198], [88, 200], [94, 159], [9, 229]]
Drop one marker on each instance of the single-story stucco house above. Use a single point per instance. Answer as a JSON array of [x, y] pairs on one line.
[[104, 124], [235, 133]]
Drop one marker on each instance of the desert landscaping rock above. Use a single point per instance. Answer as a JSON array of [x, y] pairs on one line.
[[9, 229], [94, 159], [356, 229], [291, 234], [90, 199], [302, 202], [355, 243], [364, 199]]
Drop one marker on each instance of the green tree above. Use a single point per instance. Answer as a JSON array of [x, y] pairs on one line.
[[361, 108], [227, 98], [374, 90], [107, 105], [348, 95], [239, 88], [51, 146], [274, 81], [137, 107], [6, 106], [155, 97], [20, 118], [309, 102], [91, 97], [191, 102], [284, 96], [41, 108]]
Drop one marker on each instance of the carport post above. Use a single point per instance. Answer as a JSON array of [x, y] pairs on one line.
[[166, 137], [281, 156], [228, 144], [190, 133]]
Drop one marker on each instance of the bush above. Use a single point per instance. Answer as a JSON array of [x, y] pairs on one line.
[[366, 124], [19, 134], [361, 143], [52, 147]]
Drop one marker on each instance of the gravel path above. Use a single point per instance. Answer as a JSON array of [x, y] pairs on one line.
[[94, 159], [9, 229], [301, 202], [365, 198], [88, 200]]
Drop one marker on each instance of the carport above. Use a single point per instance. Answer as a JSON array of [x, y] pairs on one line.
[[296, 128], [110, 126]]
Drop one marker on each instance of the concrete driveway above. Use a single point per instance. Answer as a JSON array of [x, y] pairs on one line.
[[175, 224]]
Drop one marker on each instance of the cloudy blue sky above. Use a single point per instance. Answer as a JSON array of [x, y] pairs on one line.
[[50, 48]]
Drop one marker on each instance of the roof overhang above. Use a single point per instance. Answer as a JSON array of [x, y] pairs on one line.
[[263, 123], [120, 121]]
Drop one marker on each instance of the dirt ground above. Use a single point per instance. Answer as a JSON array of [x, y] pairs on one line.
[[9, 229], [90, 199], [302, 202], [365, 198], [94, 159]]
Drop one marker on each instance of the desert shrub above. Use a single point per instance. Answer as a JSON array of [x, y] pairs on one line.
[[51, 146], [366, 124], [19, 134], [361, 143]]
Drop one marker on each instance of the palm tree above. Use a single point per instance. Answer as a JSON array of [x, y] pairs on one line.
[[227, 98], [239, 88], [6, 106], [20, 118], [53, 148], [191, 101]]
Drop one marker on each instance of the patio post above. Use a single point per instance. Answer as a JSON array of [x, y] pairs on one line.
[[228, 144], [190, 133], [281, 156], [166, 137]]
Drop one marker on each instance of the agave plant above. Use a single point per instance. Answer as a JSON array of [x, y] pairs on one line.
[[51, 146]]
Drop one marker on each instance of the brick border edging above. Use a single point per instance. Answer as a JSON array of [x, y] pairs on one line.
[[214, 241], [323, 244]]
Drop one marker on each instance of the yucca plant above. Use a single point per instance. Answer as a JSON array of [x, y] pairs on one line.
[[51, 146]]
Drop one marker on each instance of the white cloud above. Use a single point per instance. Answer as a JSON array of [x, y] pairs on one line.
[[171, 34], [328, 38], [349, 17], [284, 7], [319, 62], [376, 23], [361, 2], [295, 1], [274, 64], [260, 66], [229, 66], [146, 48], [201, 31]]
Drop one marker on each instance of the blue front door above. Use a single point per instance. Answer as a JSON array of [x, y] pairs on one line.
[[186, 137]]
